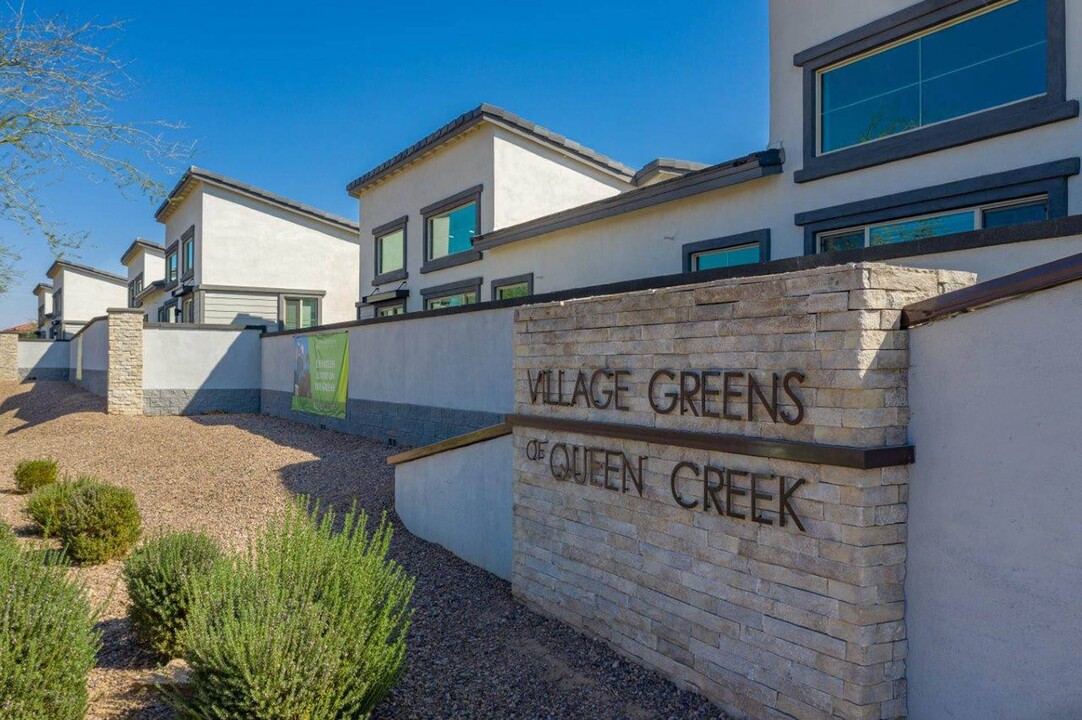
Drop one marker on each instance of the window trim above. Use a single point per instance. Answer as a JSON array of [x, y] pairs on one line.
[[380, 232], [1051, 107], [457, 200], [376, 307], [453, 288], [1046, 179], [132, 292], [762, 237], [513, 280], [285, 297], [173, 249], [184, 271]]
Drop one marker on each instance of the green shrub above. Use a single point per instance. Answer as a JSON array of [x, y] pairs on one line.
[[159, 576], [7, 538], [310, 623], [46, 505], [48, 643], [32, 474], [98, 522]]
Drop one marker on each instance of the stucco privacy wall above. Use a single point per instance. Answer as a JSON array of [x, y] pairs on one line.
[[461, 499], [417, 380], [43, 359], [803, 619], [88, 357], [190, 369], [993, 570]]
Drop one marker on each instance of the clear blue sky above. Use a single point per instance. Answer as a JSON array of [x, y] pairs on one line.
[[303, 97]]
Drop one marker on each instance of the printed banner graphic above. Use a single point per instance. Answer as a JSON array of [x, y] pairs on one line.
[[321, 374]]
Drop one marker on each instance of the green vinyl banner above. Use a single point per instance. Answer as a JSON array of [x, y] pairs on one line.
[[321, 374]]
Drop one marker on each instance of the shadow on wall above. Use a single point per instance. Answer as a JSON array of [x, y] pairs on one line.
[[48, 400]]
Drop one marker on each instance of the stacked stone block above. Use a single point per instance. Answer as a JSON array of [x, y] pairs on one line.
[[9, 357], [767, 621], [124, 395]]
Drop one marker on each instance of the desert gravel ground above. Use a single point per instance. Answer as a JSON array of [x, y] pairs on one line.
[[474, 651]]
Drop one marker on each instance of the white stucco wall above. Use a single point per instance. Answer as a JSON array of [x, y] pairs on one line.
[[248, 243], [993, 574], [86, 297], [462, 499], [187, 359], [95, 347], [423, 361], [37, 355], [187, 214]]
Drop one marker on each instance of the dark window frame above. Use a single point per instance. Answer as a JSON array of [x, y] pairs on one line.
[[184, 269], [286, 297], [379, 233], [133, 292], [1049, 179], [172, 251], [377, 307], [513, 280], [1051, 107], [453, 288], [760, 237], [457, 200], [187, 309]]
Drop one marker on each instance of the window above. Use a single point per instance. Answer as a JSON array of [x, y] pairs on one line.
[[58, 304], [134, 288], [171, 267], [946, 223], [455, 300], [188, 310], [163, 314], [512, 287], [739, 255], [300, 313], [188, 250], [391, 251], [391, 309], [450, 226], [984, 60]]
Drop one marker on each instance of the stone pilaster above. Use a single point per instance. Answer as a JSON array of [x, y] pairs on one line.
[[125, 362], [701, 573], [9, 357]]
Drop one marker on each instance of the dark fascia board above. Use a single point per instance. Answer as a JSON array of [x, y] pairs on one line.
[[453, 287], [151, 288], [468, 120], [759, 237], [145, 245], [1034, 279], [670, 165], [399, 294], [202, 326], [1026, 232], [864, 458], [41, 286], [84, 270], [733, 172], [1049, 108], [1049, 179], [195, 175]]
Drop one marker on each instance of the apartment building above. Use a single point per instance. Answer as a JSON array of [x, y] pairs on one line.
[[43, 292], [938, 134], [145, 264], [81, 293], [238, 254]]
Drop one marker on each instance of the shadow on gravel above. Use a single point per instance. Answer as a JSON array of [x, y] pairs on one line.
[[48, 400], [120, 651]]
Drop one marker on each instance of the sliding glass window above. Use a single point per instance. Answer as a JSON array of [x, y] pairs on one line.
[[987, 59], [452, 231], [391, 251]]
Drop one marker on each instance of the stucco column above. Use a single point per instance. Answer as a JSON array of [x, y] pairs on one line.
[[125, 362], [9, 357]]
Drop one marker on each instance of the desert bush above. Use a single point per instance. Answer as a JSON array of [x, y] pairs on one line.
[[98, 522], [32, 474], [48, 643], [47, 504], [7, 538], [311, 622], [159, 576]]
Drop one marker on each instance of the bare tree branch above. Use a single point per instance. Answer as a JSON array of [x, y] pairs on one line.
[[59, 88]]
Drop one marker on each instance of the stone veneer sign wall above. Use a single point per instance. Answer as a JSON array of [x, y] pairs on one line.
[[713, 479]]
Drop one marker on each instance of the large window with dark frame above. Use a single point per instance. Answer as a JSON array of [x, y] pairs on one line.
[[188, 254], [451, 231], [171, 267], [995, 56], [467, 297], [725, 257], [1011, 212], [300, 313], [134, 288], [391, 251]]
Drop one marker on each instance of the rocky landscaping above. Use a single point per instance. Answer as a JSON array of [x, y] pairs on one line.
[[473, 651]]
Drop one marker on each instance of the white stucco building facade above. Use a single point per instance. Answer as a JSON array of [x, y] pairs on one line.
[[43, 293], [81, 293]]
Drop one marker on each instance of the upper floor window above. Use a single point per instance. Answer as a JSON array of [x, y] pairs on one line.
[[984, 60], [300, 313], [58, 303], [391, 251], [134, 288], [171, 267], [188, 250], [928, 226], [452, 231], [188, 310]]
